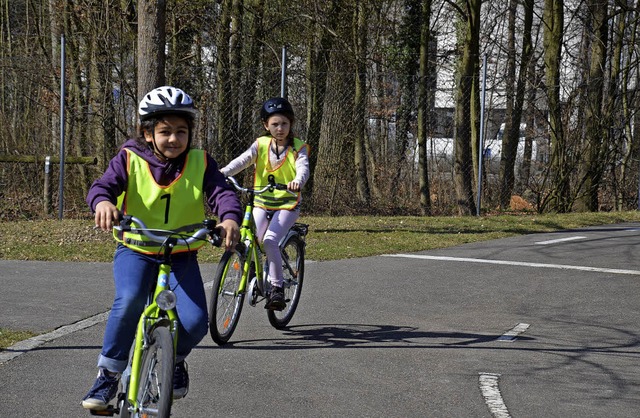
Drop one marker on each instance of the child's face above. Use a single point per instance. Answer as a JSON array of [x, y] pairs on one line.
[[171, 136], [278, 126]]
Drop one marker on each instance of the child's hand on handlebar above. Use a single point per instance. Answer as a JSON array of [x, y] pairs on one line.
[[230, 233], [294, 186], [106, 215]]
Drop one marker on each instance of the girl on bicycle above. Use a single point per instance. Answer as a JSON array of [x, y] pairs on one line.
[[280, 154], [160, 179]]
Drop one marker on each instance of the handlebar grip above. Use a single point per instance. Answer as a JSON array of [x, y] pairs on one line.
[[216, 239], [214, 232]]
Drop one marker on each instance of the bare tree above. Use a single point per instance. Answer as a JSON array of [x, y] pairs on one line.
[[596, 141], [317, 64], [426, 102], [553, 18], [466, 81], [151, 45], [515, 97], [360, 43]]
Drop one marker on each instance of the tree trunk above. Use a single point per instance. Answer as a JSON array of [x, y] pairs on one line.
[[235, 70], [409, 46], [553, 18], [467, 71], [253, 53], [317, 72], [151, 45], [630, 145], [597, 129], [360, 42], [515, 101], [225, 151], [426, 102]]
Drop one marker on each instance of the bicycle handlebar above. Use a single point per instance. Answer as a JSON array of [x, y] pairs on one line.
[[269, 187], [159, 236]]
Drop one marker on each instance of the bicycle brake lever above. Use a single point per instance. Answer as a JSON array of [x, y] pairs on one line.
[[124, 222]]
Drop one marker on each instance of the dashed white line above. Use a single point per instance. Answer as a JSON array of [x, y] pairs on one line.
[[492, 395], [517, 263], [513, 333], [556, 241]]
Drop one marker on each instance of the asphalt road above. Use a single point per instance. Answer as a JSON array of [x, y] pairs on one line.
[[544, 325]]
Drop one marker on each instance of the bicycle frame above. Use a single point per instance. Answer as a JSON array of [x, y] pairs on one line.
[[155, 313], [234, 279], [151, 316], [251, 246]]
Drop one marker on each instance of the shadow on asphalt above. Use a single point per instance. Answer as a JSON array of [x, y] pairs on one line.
[[362, 336]]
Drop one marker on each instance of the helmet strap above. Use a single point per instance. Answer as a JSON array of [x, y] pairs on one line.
[[159, 153], [155, 148]]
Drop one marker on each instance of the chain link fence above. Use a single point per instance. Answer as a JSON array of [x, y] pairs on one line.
[[229, 106]]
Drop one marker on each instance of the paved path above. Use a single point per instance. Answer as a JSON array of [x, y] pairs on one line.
[[514, 327]]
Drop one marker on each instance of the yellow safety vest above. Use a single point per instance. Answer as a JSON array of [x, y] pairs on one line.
[[284, 173], [178, 206]]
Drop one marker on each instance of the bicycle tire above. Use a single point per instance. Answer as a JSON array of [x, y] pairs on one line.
[[156, 375], [226, 302], [293, 251]]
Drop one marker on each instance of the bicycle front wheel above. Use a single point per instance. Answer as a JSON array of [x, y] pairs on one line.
[[226, 299], [156, 376], [293, 268]]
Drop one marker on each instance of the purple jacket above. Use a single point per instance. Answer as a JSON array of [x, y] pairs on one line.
[[221, 199]]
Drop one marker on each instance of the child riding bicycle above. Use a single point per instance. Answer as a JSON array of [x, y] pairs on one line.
[[278, 153], [160, 179]]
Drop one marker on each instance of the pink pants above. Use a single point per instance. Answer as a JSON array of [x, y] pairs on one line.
[[270, 233]]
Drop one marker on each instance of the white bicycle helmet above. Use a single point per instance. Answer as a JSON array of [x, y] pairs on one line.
[[164, 100]]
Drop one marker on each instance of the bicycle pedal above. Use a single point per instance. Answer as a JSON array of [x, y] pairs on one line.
[[109, 412]]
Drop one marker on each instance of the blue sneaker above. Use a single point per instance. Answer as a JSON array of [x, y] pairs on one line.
[[103, 390], [180, 380]]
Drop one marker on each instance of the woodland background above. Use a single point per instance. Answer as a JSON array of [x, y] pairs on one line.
[[388, 93]]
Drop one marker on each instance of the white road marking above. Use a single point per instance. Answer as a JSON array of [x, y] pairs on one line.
[[34, 342], [513, 333], [27, 345], [492, 395], [517, 263], [555, 241], [24, 346]]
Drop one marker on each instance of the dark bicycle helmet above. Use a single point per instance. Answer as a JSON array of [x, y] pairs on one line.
[[274, 106], [166, 100]]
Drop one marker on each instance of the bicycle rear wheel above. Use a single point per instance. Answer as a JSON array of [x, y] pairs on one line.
[[293, 268], [156, 376], [226, 300]]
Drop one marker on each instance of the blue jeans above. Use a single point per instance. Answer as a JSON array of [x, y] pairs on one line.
[[134, 274]]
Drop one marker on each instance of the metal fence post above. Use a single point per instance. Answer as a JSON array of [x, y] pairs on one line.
[[47, 185], [62, 94], [481, 146], [283, 80]]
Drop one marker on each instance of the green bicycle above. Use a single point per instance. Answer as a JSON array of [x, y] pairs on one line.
[[147, 383], [243, 272]]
